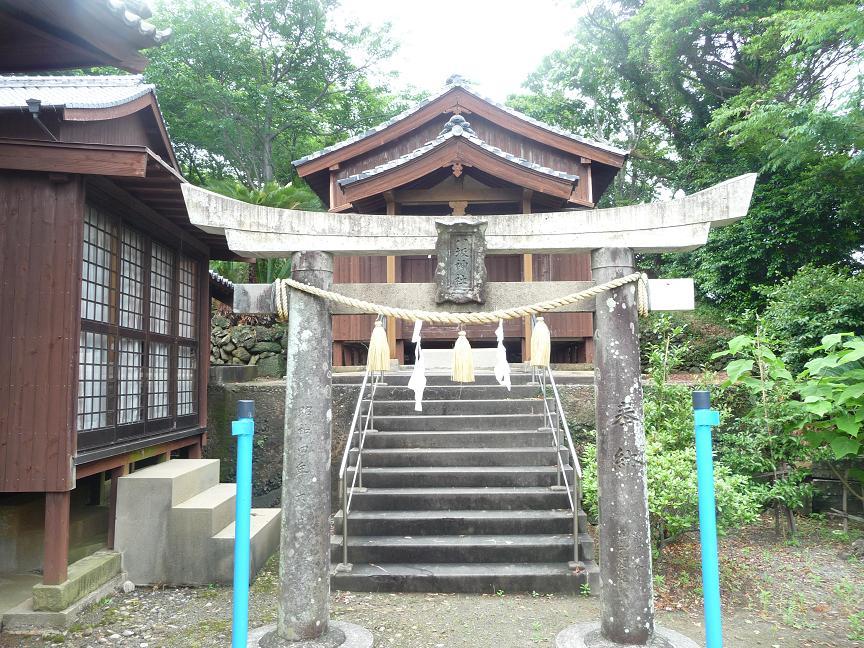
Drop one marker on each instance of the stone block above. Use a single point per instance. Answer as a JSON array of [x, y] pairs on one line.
[[85, 576], [272, 347], [272, 367]]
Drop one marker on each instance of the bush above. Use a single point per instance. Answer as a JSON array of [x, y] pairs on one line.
[[694, 337], [671, 462], [815, 302]]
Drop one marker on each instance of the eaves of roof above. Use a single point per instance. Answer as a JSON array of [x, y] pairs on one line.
[[469, 89], [443, 139]]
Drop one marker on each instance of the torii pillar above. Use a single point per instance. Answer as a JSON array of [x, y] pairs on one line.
[[626, 588], [304, 556]]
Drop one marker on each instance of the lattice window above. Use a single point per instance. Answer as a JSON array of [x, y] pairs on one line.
[[187, 401], [132, 279], [138, 371], [94, 380], [187, 298], [161, 289], [130, 364], [98, 270], [158, 382]]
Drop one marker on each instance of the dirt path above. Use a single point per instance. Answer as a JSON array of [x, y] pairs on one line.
[[775, 595]]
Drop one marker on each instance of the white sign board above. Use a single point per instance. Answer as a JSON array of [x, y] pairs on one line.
[[671, 295]]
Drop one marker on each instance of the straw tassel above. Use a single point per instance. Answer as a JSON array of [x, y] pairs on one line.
[[541, 343], [378, 358], [463, 360]]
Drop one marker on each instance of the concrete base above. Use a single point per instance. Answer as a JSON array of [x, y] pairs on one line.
[[340, 634], [24, 619], [587, 635], [85, 575]]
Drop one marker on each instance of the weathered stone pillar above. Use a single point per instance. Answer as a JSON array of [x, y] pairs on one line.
[[626, 593], [304, 560], [304, 566]]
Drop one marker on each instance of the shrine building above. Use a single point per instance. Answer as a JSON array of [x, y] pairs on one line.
[[459, 153]]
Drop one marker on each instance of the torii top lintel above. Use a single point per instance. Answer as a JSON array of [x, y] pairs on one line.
[[677, 225]]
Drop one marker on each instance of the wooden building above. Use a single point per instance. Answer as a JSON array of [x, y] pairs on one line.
[[105, 287], [460, 153]]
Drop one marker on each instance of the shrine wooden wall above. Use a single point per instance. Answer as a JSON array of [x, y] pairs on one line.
[[40, 281]]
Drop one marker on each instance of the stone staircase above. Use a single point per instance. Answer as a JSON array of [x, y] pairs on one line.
[[461, 497], [175, 525]]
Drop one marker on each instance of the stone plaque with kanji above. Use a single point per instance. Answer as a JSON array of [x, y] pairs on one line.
[[461, 272]]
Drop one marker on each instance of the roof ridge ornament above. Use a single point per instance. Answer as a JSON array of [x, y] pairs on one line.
[[457, 125]]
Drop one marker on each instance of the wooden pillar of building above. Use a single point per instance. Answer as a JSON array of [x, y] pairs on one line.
[[527, 276], [395, 352], [56, 547]]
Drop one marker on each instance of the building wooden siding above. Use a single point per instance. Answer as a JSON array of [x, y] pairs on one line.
[[40, 283]]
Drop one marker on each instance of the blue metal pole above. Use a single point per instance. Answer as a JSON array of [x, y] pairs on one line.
[[244, 429], [705, 418]]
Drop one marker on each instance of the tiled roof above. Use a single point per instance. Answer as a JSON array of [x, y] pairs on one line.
[[218, 279], [133, 14], [72, 91], [457, 83], [456, 127]]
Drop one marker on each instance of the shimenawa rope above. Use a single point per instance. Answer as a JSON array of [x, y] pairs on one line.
[[488, 317]]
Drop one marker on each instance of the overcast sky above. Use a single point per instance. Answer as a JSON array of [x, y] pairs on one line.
[[493, 43]]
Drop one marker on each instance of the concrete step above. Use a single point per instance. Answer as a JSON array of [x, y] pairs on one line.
[[420, 523], [457, 406], [458, 439], [144, 507], [461, 422], [209, 511], [455, 549], [455, 392], [463, 499], [264, 533], [460, 476], [444, 457], [466, 577], [434, 378], [178, 478]]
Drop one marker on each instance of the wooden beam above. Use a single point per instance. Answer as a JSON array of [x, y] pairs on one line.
[[57, 157], [527, 277], [56, 546], [391, 279], [471, 195]]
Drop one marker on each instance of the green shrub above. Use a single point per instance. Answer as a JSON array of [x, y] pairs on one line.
[[671, 462], [815, 302], [695, 338]]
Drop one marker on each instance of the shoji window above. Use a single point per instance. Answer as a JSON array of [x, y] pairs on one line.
[[138, 368]]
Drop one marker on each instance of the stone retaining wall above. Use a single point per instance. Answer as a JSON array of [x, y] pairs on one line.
[[262, 346]]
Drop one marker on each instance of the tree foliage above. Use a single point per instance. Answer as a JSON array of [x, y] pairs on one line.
[[815, 302], [704, 90], [247, 86]]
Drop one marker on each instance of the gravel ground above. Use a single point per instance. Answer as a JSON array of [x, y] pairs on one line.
[[776, 595]]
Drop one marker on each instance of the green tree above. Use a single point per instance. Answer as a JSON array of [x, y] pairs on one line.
[[247, 86], [294, 195], [705, 90]]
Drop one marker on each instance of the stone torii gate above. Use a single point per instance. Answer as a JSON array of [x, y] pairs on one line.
[[613, 236]]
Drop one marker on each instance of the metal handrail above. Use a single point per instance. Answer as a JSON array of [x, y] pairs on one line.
[[345, 489], [560, 428]]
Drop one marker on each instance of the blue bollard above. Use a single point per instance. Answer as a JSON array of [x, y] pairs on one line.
[[244, 429], [705, 418]]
